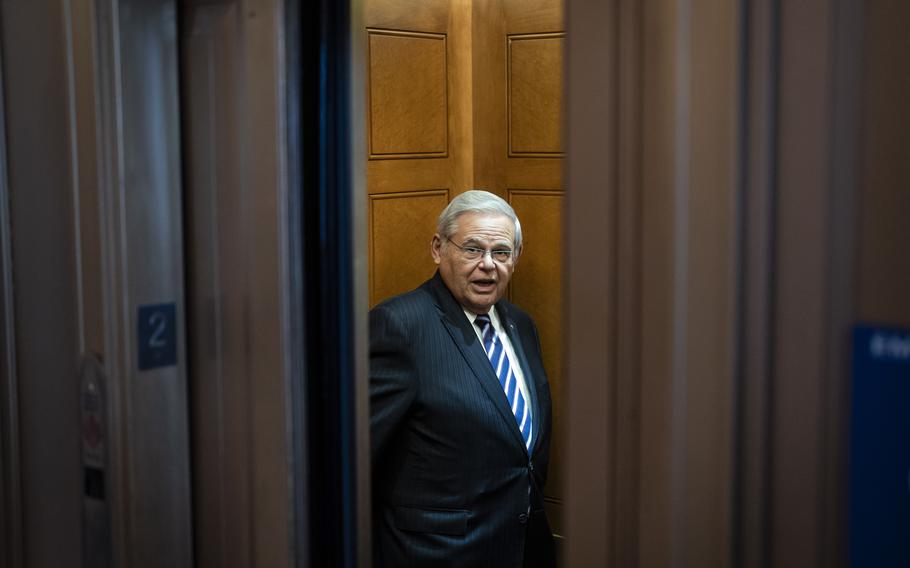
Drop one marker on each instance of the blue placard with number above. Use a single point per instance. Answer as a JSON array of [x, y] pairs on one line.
[[157, 336], [880, 448]]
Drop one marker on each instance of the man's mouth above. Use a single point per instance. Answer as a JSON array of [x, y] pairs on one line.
[[484, 284]]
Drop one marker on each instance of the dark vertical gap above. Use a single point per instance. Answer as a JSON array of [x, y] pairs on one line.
[[327, 281], [189, 266], [766, 281], [297, 408], [10, 494], [737, 548]]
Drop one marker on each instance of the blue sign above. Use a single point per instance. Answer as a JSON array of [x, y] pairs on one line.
[[880, 448], [157, 336]]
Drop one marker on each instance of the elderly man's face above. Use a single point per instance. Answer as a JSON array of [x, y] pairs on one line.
[[479, 283]]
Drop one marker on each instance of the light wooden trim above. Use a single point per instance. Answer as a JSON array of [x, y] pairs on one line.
[[510, 192]]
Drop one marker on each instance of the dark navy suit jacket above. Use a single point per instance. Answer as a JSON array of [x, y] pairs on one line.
[[453, 484]]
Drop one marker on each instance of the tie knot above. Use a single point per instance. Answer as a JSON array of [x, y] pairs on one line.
[[482, 321]]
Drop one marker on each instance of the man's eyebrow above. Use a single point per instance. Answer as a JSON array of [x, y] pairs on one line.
[[498, 244]]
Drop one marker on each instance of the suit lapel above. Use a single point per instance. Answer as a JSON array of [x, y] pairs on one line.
[[464, 337]]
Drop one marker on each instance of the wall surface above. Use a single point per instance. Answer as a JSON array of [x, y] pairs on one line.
[[714, 387], [883, 264], [239, 315], [44, 285]]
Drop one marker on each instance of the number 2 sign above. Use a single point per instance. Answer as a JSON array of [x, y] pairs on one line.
[[157, 335]]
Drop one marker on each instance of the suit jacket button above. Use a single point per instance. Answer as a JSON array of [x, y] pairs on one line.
[[523, 518]]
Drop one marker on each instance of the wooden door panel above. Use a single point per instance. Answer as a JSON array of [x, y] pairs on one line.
[[401, 225], [535, 94], [417, 88], [407, 95], [537, 287], [520, 157]]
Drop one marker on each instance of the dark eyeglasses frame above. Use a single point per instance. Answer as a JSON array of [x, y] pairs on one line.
[[500, 256]]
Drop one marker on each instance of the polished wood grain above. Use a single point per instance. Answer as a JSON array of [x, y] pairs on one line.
[[407, 95], [535, 94], [401, 227], [419, 125], [537, 286], [532, 180], [432, 16]]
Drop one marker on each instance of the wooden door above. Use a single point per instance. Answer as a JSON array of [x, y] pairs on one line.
[[464, 95], [418, 132], [518, 154]]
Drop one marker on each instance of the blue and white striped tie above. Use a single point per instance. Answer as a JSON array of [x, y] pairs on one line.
[[492, 344]]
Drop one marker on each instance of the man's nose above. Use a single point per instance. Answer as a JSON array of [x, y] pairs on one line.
[[486, 261]]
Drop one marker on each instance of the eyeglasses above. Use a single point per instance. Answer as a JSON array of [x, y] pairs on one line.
[[502, 256]]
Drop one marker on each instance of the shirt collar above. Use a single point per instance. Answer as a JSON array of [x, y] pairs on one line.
[[492, 313]]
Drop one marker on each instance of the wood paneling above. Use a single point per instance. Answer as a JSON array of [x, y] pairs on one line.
[[517, 68], [535, 94], [489, 85], [426, 15], [401, 226], [538, 288], [407, 95], [420, 132], [536, 28]]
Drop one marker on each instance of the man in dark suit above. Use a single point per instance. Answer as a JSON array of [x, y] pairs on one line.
[[460, 406]]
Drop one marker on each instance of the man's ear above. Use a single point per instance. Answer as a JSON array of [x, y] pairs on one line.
[[436, 248]]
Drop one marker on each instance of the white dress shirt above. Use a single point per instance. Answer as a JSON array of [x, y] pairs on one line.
[[514, 361]]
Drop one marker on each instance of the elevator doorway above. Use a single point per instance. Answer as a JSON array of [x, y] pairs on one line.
[[459, 96]]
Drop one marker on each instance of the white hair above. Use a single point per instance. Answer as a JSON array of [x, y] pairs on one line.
[[476, 201]]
